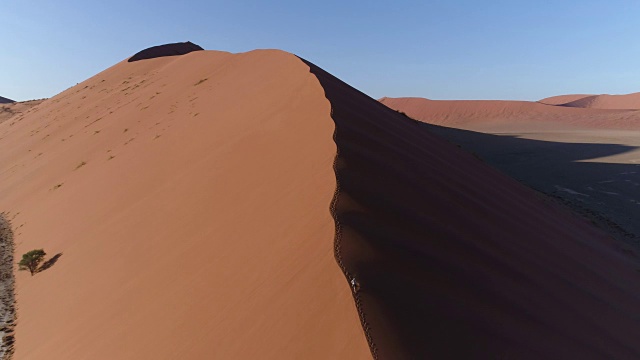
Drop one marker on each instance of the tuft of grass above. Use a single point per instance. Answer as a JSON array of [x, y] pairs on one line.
[[83, 163], [200, 82]]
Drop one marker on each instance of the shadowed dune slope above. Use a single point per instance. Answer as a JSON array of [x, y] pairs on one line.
[[475, 114], [5, 100], [456, 260], [190, 197]]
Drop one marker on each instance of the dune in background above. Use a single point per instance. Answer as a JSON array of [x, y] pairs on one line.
[[16, 109], [5, 100], [604, 101], [562, 99], [506, 115], [189, 199]]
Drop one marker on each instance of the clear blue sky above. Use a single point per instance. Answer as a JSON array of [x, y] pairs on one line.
[[439, 49]]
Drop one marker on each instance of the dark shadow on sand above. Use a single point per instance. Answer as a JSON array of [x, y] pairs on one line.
[[49, 263], [608, 194], [455, 261]]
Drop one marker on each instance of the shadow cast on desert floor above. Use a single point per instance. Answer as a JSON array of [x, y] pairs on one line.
[[578, 174], [49, 263]]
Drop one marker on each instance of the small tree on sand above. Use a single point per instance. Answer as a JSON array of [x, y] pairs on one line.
[[31, 260]]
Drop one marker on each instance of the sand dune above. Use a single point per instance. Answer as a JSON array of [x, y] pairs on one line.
[[483, 114], [191, 199], [562, 99]]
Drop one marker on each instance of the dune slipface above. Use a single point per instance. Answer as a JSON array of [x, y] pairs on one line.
[[189, 197], [455, 260], [5, 100]]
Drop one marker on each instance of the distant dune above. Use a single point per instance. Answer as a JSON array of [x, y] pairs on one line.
[[478, 114], [252, 206], [562, 99], [5, 100], [628, 101]]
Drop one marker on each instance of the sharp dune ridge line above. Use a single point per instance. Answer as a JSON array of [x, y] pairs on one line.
[[202, 201]]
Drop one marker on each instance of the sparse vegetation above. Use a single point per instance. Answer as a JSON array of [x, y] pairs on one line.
[[32, 260]]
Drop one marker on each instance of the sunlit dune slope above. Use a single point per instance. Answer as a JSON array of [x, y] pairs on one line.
[[456, 260], [475, 114], [189, 197]]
